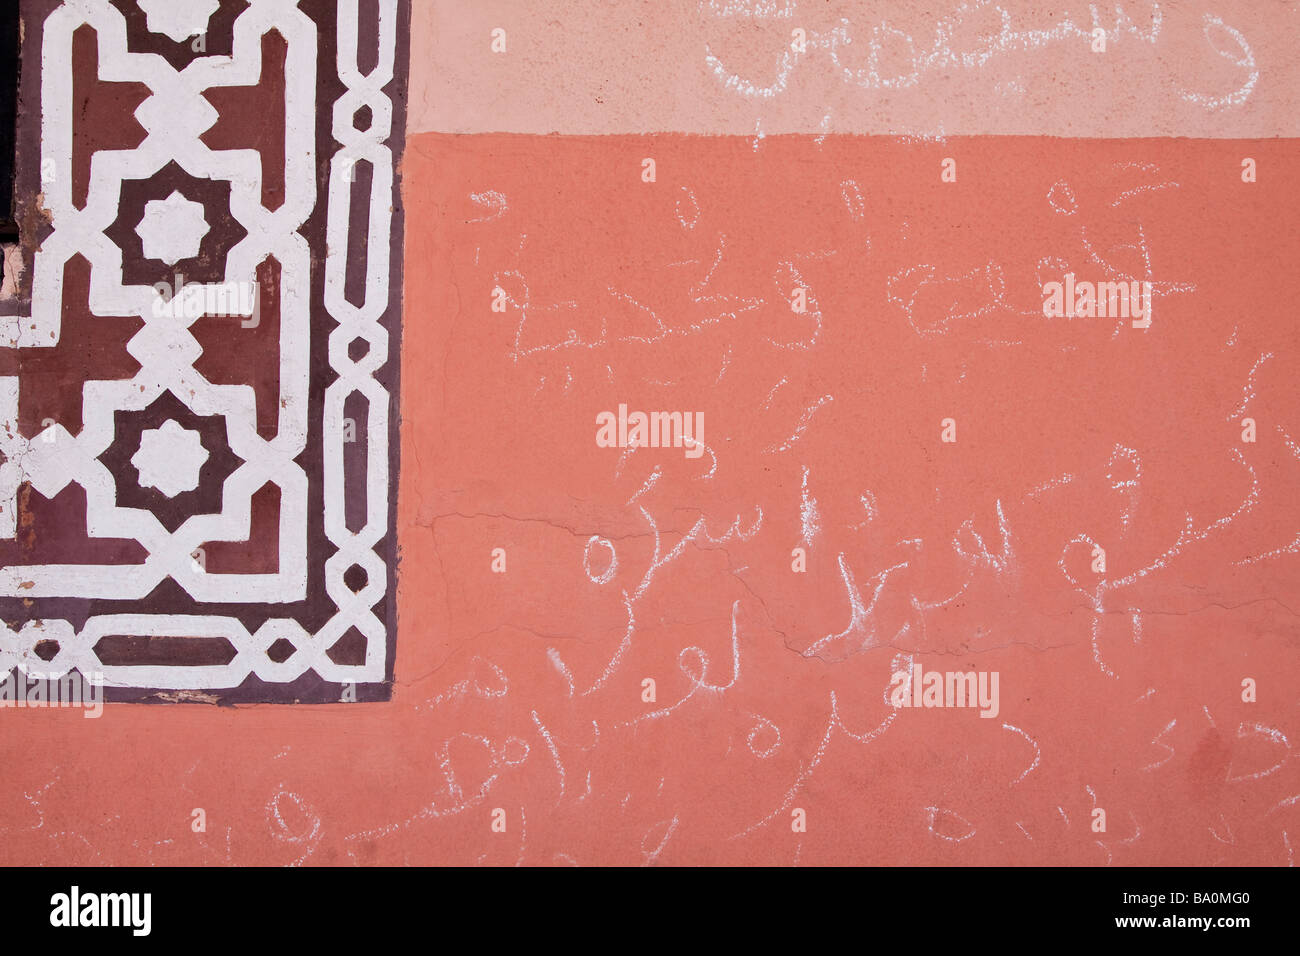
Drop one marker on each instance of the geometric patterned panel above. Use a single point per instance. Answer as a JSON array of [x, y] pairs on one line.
[[198, 379]]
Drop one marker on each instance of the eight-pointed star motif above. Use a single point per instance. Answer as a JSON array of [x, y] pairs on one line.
[[178, 19], [172, 229], [170, 458]]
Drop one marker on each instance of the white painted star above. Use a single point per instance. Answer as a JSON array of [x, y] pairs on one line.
[[172, 229], [178, 19], [169, 459]]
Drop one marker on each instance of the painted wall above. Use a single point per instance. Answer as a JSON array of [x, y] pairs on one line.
[[905, 466]]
